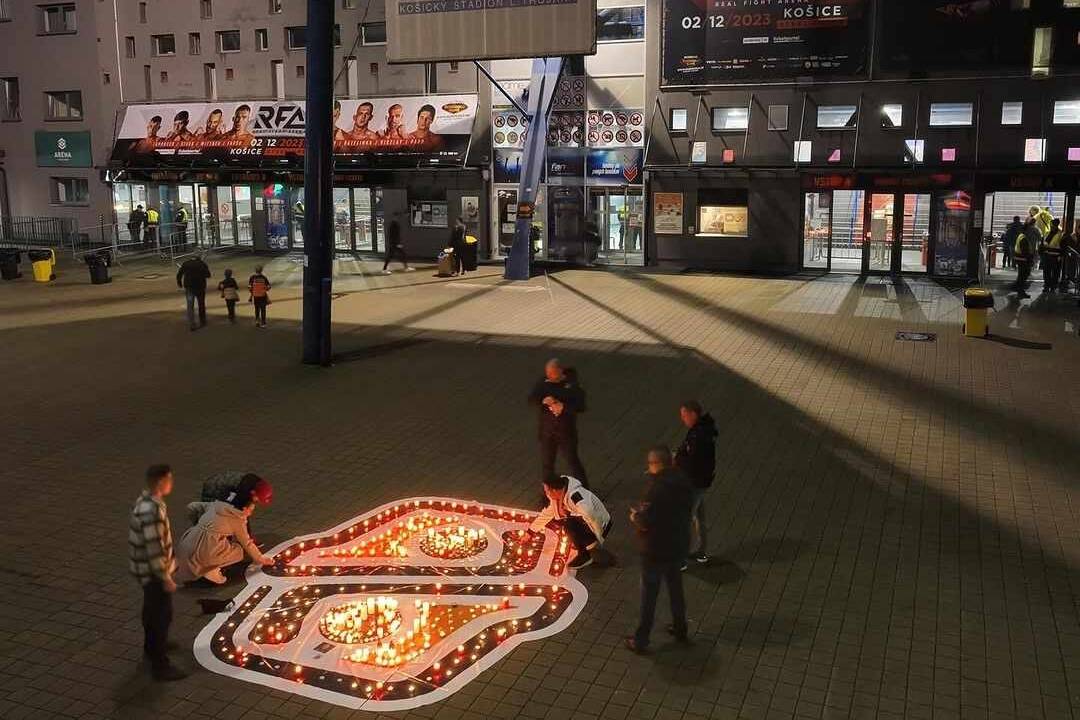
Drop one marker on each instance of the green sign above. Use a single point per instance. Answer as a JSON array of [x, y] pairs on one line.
[[63, 149]]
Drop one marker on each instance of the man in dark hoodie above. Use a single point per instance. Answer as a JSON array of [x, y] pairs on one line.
[[559, 399], [696, 457], [191, 277], [661, 521]]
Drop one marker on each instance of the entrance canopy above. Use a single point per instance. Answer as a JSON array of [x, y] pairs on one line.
[[395, 132]]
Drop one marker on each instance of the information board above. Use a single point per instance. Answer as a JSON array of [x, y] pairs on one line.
[[712, 42]]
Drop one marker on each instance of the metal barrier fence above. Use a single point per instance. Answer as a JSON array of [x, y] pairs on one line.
[[26, 232]]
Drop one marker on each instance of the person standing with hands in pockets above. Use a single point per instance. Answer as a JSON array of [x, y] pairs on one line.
[[259, 289], [696, 458], [559, 399]]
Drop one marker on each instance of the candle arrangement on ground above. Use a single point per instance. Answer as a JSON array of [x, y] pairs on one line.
[[392, 635], [454, 543]]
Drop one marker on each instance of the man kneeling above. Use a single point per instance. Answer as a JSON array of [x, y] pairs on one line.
[[581, 514], [220, 538]]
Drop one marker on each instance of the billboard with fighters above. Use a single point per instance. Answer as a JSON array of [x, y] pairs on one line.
[[713, 43], [386, 132]]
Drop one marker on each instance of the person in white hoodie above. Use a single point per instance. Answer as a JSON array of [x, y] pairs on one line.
[[582, 514]]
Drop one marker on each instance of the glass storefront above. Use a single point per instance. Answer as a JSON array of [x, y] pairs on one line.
[[618, 214], [127, 197]]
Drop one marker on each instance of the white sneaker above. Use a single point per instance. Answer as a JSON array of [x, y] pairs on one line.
[[385, 272], [216, 576], [410, 269]]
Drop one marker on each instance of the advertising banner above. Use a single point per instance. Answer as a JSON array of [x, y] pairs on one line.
[[566, 166], [385, 132], [722, 220], [615, 167], [709, 42], [667, 213], [63, 149]]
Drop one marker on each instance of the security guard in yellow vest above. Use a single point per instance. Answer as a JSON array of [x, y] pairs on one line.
[[1023, 256], [152, 220], [1052, 257], [1042, 218]]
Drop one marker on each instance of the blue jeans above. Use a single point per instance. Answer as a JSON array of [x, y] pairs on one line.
[[652, 574], [698, 513], [192, 298]]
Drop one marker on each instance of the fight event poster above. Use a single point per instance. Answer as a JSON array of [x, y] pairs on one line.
[[713, 42], [384, 132]]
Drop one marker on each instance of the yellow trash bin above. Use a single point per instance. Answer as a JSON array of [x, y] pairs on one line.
[[977, 304], [43, 262]]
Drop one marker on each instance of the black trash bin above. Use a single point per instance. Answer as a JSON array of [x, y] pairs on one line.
[[98, 265], [9, 264]]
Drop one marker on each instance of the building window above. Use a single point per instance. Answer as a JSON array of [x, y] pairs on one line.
[[892, 116], [210, 80], [164, 77], [620, 23], [453, 66], [299, 71], [1035, 150], [951, 114], [296, 38], [148, 86], [58, 19], [69, 191], [337, 35], [277, 76], [802, 150], [373, 33], [206, 9], [730, 118], [63, 105], [1041, 52], [778, 117], [1067, 112], [352, 77], [228, 41], [678, 120], [275, 7], [348, 4], [5, 10], [9, 99], [194, 41], [163, 44], [1012, 113], [129, 46], [914, 150], [228, 73], [262, 40], [836, 117], [142, 13], [106, 78]]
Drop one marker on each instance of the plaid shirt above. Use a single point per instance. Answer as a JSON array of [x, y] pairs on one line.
[[150, 547]]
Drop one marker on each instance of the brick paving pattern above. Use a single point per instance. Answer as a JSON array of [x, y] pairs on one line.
[[893, 522]]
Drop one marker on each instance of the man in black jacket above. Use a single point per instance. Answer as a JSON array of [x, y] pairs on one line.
[[559, 399], [696, 457], [662, 523], [191, 277]]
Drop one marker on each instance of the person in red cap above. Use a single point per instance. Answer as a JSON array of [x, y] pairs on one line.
[[224, 486], [220, 537]]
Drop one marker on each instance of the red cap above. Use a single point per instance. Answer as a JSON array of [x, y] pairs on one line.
[[262, 492]]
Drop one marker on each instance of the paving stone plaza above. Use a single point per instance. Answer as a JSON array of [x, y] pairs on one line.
[[893, 523]]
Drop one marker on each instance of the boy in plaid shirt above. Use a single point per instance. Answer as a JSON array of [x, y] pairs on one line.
[[150, 551]]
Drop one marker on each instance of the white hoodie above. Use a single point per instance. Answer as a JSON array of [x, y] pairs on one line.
[[578, 502]]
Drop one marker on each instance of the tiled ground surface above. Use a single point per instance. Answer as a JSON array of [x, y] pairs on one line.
[[894, 522]]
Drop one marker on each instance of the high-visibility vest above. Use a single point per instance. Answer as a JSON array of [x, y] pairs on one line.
[[1053, 245], [181, 215], [1042, 221], [1019, 250], [152, 216]]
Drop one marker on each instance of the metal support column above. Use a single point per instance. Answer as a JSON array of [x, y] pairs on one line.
[[545, 78], [318, 182]]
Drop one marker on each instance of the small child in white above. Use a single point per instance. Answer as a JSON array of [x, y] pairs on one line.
[[582, 514]]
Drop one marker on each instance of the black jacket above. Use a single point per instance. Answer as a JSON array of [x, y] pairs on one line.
[[570, 394], [696, 457], [662, 518], [192, 275]]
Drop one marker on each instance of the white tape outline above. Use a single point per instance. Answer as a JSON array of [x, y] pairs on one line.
[[256, 579]]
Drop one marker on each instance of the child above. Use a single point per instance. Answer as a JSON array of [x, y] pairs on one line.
[[231, 292], [582, 514], [259, 287], [150, 552]]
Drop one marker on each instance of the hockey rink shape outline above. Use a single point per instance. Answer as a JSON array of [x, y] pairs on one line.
[[256, 580]]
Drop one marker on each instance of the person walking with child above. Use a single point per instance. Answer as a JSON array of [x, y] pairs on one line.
[[230, 291], [259, 289]]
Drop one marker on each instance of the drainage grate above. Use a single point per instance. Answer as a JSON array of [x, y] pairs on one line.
[[916, 336]]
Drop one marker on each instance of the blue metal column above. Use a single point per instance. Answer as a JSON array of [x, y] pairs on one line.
[[545, 79], [318, 181]]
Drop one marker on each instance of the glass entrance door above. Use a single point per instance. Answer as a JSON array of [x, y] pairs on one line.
[[342, 220], [914, 238], [619, 216], [880, 233]]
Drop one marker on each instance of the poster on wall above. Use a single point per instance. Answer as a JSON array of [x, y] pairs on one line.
[[509, 129], [614, 167], [470, 209], [616, 127], [951, 239], [397, 131], [714, 42], [667, 213], [722, 220], [566, 128], [507, 166], [570, 94]]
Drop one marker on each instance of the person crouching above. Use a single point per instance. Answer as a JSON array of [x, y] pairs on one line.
[[582, 514], [219, 539]]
